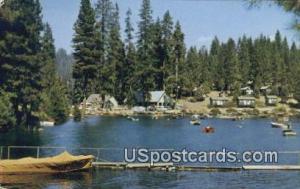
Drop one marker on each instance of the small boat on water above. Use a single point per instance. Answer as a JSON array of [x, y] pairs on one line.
[[133, 119], [195, 120], [208, 129], [279, 125], [47, 123], [289, 132], [62, 163]]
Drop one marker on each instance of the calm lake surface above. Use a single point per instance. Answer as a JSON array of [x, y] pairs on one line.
[[115, 134]]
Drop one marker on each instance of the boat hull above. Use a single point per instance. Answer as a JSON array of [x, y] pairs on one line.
[[59, 164], [279, 125]]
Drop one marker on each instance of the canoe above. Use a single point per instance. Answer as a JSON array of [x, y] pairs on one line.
[[279, 125], [58, 164]]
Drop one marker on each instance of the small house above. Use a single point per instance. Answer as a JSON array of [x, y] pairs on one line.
[[157, 99], [110, 102], [246, 101], [265, 90], [271, 100], [247, 91], [218, 101], [95, 101]]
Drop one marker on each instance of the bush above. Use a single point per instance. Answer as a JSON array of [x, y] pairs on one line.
[[215, 111], [231, 110]]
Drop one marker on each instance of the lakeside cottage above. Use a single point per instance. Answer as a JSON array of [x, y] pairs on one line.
[[246, 101], [95, 102], [271, 100], [157, 99], [218, 101]]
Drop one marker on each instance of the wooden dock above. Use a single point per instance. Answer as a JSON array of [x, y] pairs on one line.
[[172, 167], [124, 165], [272, 167]]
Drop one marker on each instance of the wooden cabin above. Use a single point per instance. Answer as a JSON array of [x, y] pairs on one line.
[[271, 100], [246, 101], [218, 101]]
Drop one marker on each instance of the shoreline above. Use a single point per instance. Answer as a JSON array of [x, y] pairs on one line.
[[221, 113]]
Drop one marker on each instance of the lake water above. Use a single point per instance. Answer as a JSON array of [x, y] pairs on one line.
[[115, 134]]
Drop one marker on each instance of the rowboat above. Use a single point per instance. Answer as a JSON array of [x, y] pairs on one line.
[[289, 132], [279, 125], [62, 163], [195, 120]]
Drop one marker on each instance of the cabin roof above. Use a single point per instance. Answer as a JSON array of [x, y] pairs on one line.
[[155, 96], [246, 98], [94, 98], [219, 98], [271, 96]]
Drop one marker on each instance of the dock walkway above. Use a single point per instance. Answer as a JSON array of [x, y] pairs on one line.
[[172, 167]]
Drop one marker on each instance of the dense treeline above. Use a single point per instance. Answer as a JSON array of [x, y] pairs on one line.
[[108, 65], [158, 59], [229, 66], [38, 82], [30, 88]]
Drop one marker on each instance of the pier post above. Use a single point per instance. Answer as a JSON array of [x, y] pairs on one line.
[[8, 152], [38, 152]]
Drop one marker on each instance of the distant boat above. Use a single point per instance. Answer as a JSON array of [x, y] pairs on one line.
[[133, 119], [195, 120], [47, 123], [208, 129], [289, 132], [279, 125]]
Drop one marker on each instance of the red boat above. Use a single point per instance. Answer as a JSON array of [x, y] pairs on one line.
[[208, 129]]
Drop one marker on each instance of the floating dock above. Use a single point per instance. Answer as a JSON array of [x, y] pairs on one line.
[[272, 167], [172, 167]]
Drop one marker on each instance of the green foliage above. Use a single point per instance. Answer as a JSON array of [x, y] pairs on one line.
[[7, 117], [77, 114], [85, 67], [215, 111], [21, 58]]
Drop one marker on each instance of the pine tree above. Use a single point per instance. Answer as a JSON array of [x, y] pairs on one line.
[[231, 68], [145, 73], [105, 20], [116, 58], [215, 64], [21, 65], [167, 48], [130, 61], [175, 82], [85, 68], [244, 59]]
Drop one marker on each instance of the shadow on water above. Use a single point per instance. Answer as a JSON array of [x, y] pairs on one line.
[[36, 181]]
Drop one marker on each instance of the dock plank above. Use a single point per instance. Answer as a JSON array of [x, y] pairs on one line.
[[271, 167]]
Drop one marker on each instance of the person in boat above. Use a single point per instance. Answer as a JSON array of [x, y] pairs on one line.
[[208, 129]]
